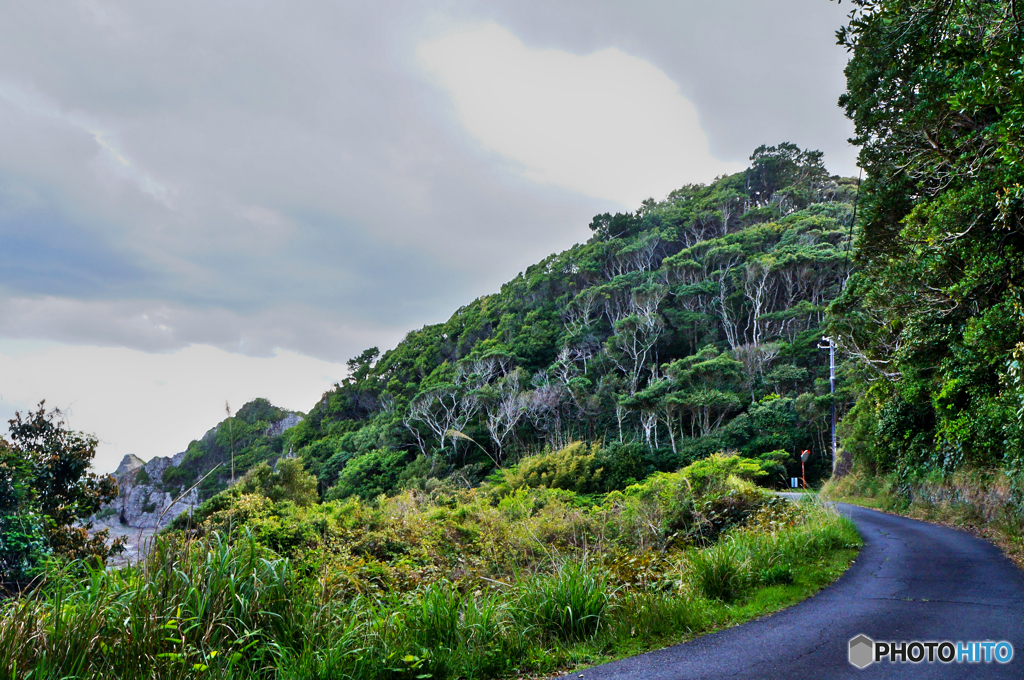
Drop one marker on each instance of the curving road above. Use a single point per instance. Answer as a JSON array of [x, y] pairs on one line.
[[911, 581]]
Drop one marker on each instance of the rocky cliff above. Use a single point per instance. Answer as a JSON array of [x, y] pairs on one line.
[[142, 502], [147, 500]]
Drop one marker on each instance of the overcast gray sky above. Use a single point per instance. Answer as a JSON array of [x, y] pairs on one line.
[[210, 200]]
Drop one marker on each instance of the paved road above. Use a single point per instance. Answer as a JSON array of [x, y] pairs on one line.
[[911, 581]]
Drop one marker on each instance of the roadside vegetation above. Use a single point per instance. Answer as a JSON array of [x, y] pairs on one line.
[[932, 320], [494, 581]]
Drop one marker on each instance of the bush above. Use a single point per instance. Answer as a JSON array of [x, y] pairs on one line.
[[625, 464], [176, 478], [369, 475], [446, 585], [722, 509], [573, 468], [23, 547], [260, 410], [773, 464], [289, 481], [45, 482], [715, 470]]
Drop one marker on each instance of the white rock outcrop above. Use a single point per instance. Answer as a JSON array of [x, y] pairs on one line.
[[141, 503]]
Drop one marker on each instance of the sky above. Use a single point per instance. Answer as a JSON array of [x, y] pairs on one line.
[[215, 201]]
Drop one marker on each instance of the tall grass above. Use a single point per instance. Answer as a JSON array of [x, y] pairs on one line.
[[569, 605], [226, 607], [753, 556]]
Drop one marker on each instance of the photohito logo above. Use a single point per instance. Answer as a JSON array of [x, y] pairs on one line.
[[864, 651]]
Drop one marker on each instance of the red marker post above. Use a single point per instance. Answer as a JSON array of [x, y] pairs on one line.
[[804, 455]]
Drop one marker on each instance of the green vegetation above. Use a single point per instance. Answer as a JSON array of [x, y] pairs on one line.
[[46, 495], [249, 435], [933, 318], [471, 583]]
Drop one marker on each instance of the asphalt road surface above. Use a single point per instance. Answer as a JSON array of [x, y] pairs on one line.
[[911, 581]]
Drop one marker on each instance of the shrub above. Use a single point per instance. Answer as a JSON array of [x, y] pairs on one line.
[[175, 478], [260, 410], [714, 470], [652, 513], [416, 585], [732, 506], [23, 547], [573, 468], [45, 483], [369, 475], [773, 464], [622, 465], [288, 482]]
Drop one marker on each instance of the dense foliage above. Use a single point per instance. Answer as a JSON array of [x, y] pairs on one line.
[[46, 494], [934, 316]]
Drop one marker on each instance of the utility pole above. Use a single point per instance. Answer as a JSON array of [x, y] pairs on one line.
[[831, 346]]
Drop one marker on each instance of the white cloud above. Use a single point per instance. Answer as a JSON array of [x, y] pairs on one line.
[[608, 125], [152, 404]]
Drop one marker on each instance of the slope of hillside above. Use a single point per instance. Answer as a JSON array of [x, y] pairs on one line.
[[688, 327]]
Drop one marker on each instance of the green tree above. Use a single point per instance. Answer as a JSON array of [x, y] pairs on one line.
[[22, 540], [936, 92], [46, 476], [707, 388], [287, 481]]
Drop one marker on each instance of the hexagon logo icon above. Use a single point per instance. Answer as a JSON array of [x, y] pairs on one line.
[[862, 651]]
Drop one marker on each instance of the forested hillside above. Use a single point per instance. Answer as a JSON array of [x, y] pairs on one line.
[[687, 327], [933, 318]]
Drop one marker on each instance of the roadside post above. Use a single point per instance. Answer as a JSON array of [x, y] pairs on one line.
[[804, 455]]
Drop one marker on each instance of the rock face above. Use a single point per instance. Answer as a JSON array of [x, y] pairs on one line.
[[141, 502], [286, 423]]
